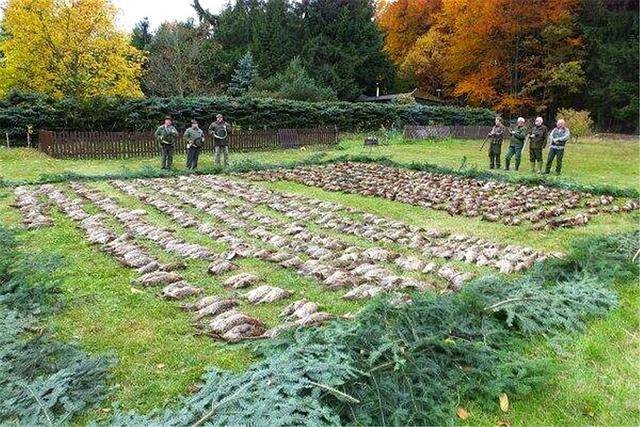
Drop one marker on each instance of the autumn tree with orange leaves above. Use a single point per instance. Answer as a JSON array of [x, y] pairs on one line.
[[412, 40], [404, 21], [511, 55]]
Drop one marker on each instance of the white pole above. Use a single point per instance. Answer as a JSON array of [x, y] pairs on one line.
[[377, 90]]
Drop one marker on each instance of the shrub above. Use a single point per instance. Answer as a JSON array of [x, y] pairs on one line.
[[119, 114], [293, 83], [404, 99], [578, 122]]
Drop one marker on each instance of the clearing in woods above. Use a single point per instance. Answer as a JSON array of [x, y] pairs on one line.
[[172, 272]]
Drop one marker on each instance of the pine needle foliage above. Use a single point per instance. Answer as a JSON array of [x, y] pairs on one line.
[[420, 359], [43, 381], [535, 309]]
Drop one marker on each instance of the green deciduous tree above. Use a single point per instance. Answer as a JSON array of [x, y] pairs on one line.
[[177, 61]]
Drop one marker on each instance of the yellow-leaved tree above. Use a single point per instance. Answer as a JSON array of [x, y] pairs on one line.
[[67, 48]]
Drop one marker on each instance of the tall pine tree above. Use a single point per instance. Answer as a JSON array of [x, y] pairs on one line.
[[141, 35], [338, 41], [233, 31], [275, 38], [244, 76], [343, 45], [610, 29]]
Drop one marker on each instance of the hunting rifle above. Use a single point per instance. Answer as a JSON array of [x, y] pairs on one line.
[[484, 141]]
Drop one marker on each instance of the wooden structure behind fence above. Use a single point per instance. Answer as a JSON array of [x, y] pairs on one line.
[[441, 132], [111, 145]]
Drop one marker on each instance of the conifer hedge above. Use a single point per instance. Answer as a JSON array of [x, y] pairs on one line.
[[18, 111]]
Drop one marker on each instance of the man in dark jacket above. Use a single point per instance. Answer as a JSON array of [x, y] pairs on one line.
[[518, 135], [220, 132], [537, 141], [495, 144], [194, 137], [166, 135]]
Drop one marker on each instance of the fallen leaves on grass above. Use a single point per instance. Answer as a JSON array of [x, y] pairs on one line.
[[462, 413], [504, 402]]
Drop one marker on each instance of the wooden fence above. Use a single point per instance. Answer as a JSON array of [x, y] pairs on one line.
[[441, 132], [111, 145]]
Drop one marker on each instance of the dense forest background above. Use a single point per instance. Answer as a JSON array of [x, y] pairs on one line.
[[516, 57]]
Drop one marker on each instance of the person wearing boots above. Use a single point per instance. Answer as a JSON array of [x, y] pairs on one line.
[[495, 144], [537, 141], [558, 137], [220, 131], [166, 135], [518, 135], [194, 137]]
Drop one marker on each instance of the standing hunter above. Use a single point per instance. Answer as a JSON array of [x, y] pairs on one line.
[[495, 144], [558, 138], [167, 136], [537, 141], [194, 137], [518, 135], [220, 129]]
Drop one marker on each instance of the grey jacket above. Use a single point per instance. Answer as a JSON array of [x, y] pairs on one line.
[[559, 137]]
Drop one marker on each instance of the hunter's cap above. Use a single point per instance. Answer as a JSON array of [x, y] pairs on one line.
[[167, 117], [218, 116]]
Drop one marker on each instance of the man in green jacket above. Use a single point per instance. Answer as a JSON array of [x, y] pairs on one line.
[[220, 132], [518, 135], [537, 141], [495, 144], [194, 137], [167, 136]]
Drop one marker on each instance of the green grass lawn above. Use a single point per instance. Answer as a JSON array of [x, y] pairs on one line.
[[597, 375], [588, 162], [160, 358]]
